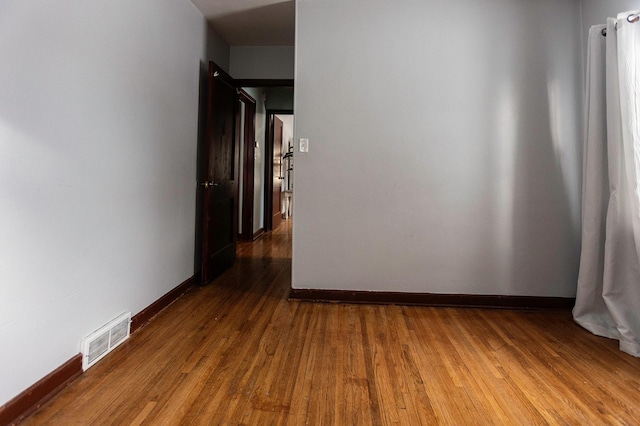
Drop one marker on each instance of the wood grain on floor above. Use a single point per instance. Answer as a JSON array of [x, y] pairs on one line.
[[238, 352]]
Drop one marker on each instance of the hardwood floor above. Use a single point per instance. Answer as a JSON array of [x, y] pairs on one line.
[[238, 352]]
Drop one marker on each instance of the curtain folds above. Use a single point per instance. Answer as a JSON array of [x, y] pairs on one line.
[[608, 292]]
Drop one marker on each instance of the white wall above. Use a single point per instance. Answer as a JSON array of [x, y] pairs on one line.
[[262, 62], [444, 146], [98, 129]]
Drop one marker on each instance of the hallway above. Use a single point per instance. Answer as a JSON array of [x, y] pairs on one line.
[[238, 352]]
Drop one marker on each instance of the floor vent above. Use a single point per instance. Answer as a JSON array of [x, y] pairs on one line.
[[102, 341]]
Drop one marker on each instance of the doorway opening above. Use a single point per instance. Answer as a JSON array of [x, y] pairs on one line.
[[279, 168], [236, 166], [265, 171]]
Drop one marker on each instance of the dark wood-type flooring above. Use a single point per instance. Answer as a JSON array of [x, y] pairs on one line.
[[238, 352]]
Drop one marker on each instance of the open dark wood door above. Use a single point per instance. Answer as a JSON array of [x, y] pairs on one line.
[[278, 174], [273, 170], [219, 176]]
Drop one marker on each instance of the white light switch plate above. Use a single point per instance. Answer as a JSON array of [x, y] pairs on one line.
[[304, 145]]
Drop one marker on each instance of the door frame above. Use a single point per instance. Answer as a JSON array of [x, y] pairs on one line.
[[202, 122], [268, 165], [248, 165]]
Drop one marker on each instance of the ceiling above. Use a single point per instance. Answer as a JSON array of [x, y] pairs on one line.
[[251, 22]]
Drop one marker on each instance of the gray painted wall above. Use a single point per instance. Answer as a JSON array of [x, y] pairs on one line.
[[218, 50], [262, 62], [98, 132], [445, 146], [279, 98]]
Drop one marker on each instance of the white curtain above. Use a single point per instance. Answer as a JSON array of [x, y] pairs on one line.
[[608, 294]]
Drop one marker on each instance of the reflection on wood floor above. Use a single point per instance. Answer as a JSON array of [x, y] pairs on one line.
[[273, 246], [238, 352]]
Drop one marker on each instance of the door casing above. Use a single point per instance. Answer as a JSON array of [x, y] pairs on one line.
[[248, 172], [268, 169]]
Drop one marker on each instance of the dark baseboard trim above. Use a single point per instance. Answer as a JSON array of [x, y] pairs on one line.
[[145, 315], [40, 392], [32, 398], [258, 234], [432, 299]]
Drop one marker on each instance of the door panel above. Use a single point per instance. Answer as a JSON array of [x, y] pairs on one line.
[[278, 176], [220, 178]]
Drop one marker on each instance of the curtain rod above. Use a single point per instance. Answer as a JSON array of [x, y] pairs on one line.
[[633, 18]]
